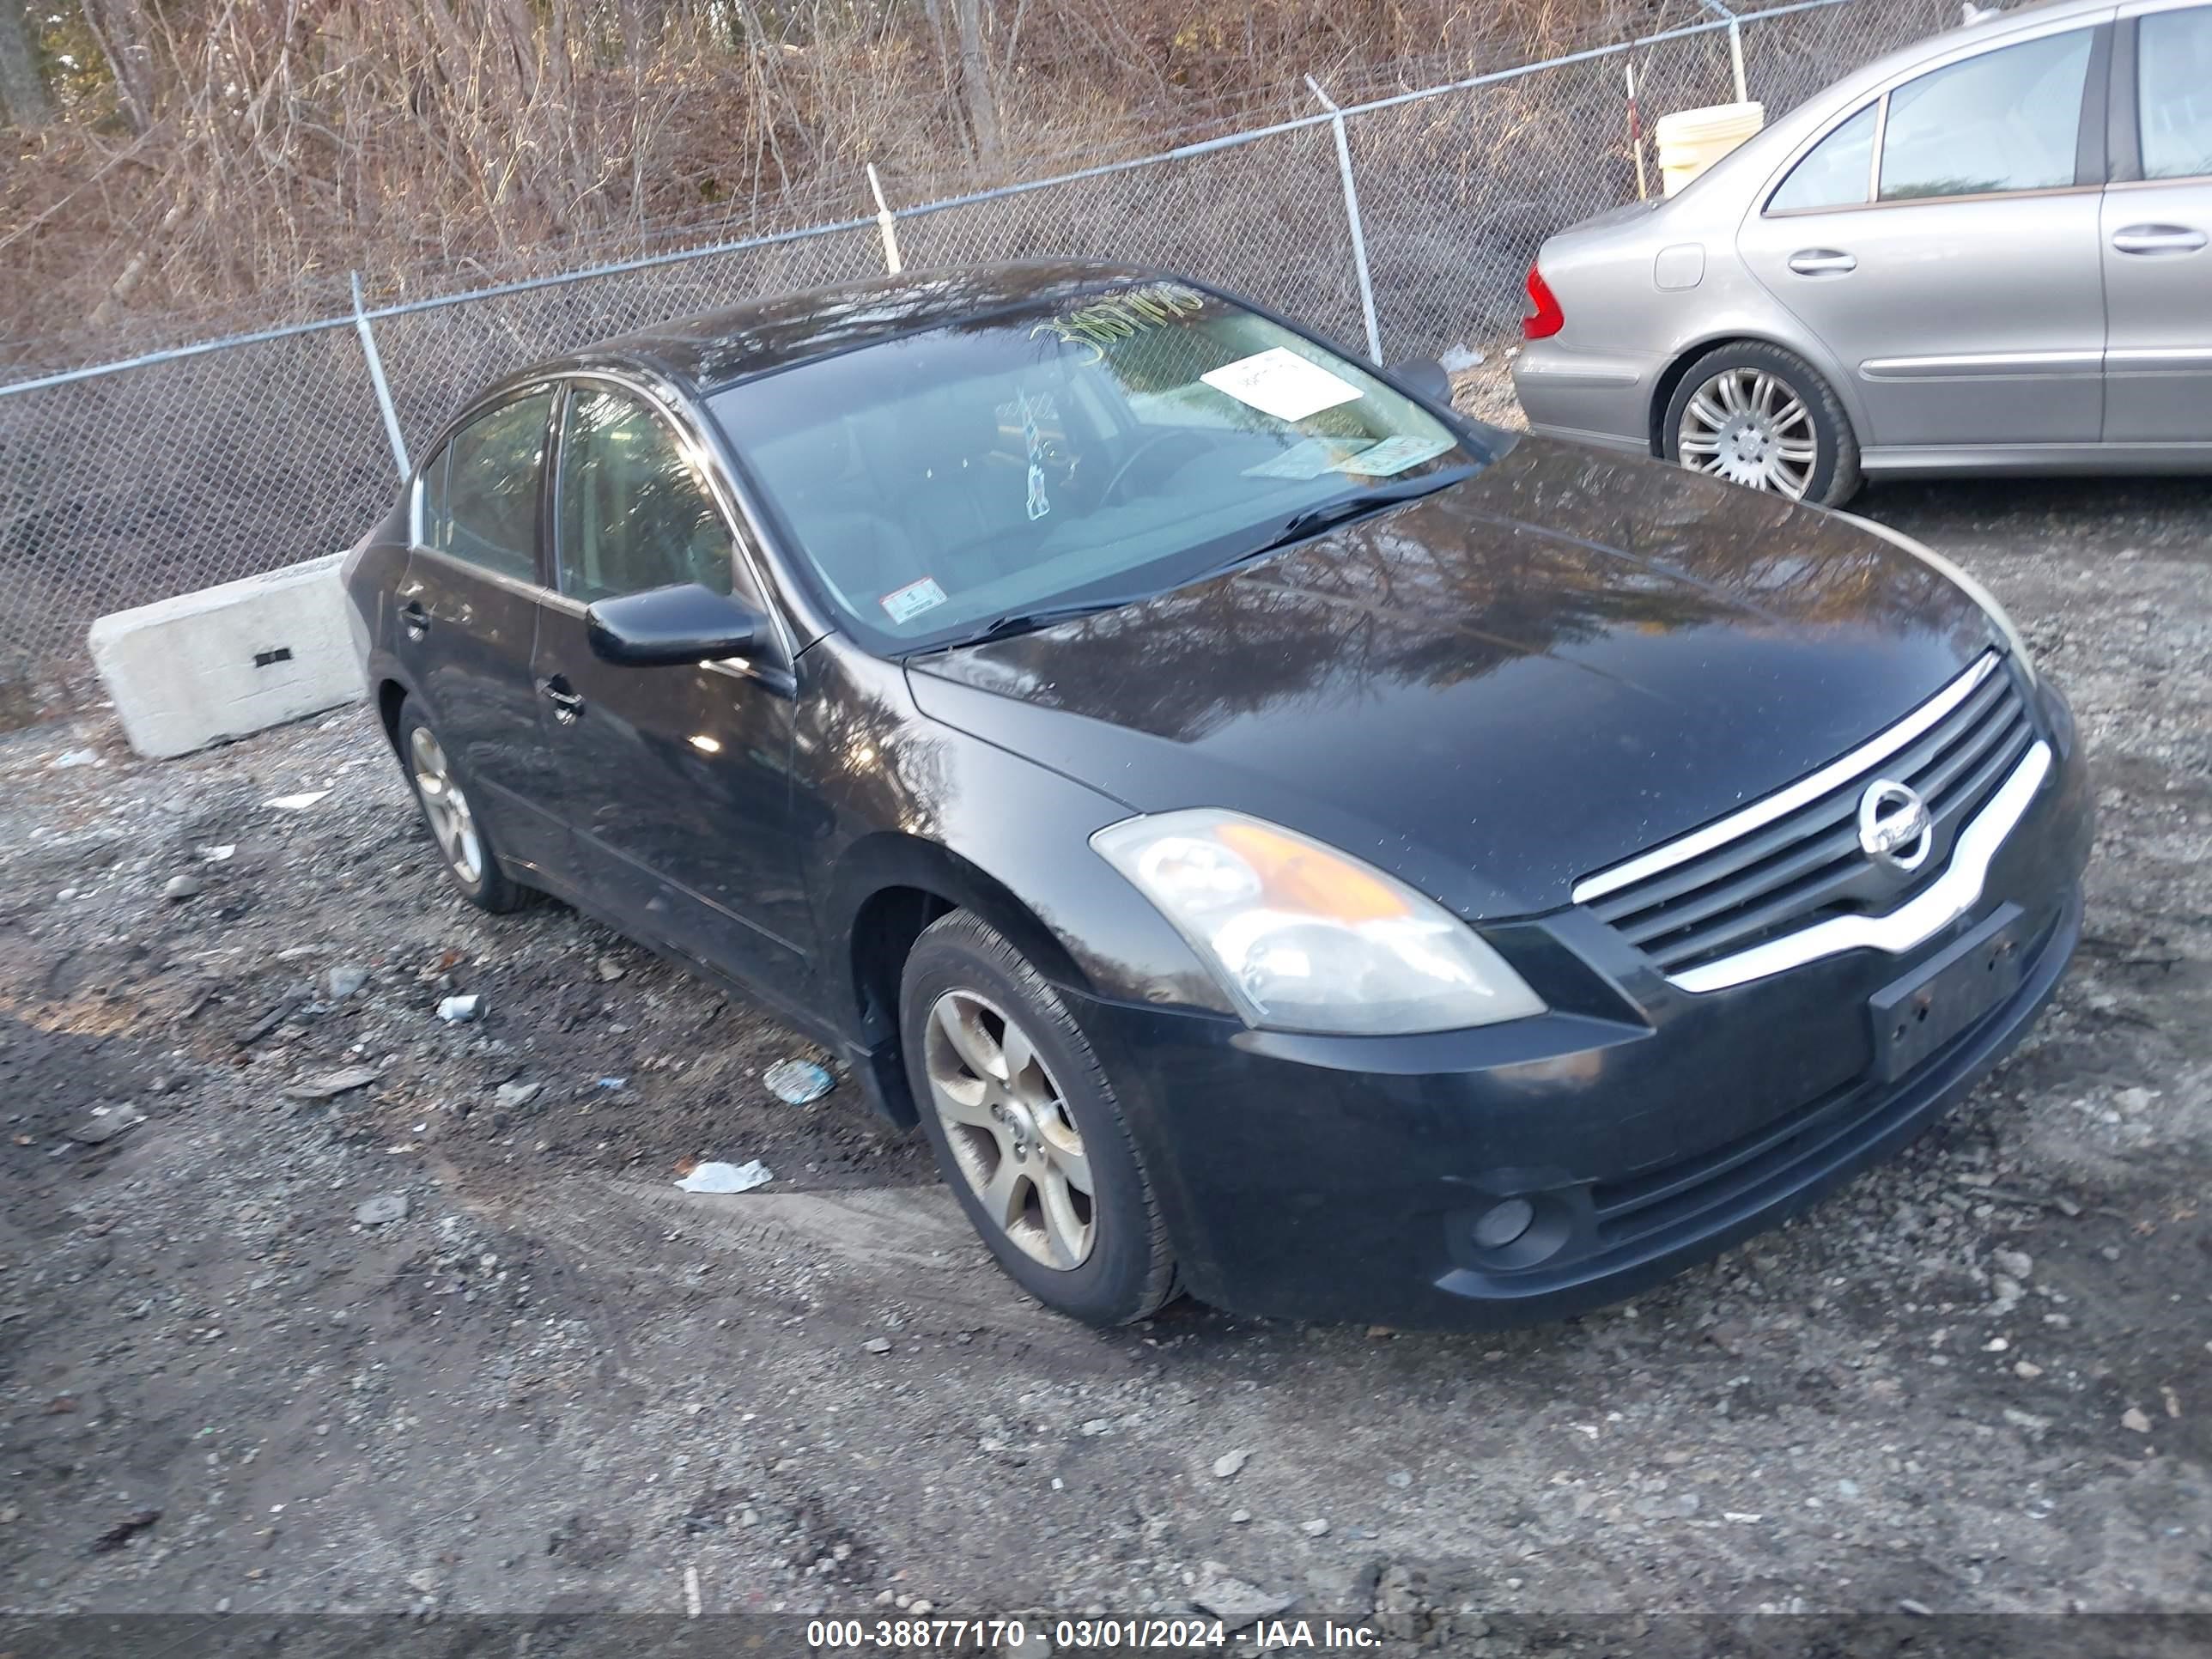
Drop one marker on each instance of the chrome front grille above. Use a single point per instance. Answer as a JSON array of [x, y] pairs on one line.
[[1793, 859]]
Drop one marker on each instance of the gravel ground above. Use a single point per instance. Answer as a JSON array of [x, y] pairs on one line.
[[546, 1379]]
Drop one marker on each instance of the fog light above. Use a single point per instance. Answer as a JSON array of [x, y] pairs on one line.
[[1500, 1225]]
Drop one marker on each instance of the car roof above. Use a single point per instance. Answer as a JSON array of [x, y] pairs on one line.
[[1745, 167], [1992, 29], [716, 350]]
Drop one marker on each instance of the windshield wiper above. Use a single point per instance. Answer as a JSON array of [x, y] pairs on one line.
[[1028, 622], [1358, 505], [1296, 527]]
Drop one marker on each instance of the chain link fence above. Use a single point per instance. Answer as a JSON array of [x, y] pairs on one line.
[[1264, 215], [128, 481]]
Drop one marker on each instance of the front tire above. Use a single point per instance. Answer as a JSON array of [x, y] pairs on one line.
[[1025, 1127], [1758, 416], [465, 846]]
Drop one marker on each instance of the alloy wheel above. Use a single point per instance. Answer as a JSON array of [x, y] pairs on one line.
[[1009, 1128], [452, 821], [1748, 426]]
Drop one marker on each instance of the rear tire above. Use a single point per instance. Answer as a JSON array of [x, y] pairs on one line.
[[1026, 1129], [465, 846], [1753, 414]]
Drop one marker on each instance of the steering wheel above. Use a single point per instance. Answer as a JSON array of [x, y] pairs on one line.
[[1145, 448]]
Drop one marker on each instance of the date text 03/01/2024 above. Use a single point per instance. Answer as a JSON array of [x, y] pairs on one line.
[[1011, 1635]]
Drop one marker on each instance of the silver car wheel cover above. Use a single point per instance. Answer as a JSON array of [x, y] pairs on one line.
[[451, 819], [1009, 1129], [1745, 425]]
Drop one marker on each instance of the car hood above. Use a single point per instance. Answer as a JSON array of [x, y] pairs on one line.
[[1532, 674]]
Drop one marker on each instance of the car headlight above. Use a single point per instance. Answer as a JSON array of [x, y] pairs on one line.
[[1303, 937], [1972, 589]]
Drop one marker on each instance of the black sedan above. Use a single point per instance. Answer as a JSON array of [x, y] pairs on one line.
[[1277, 837]]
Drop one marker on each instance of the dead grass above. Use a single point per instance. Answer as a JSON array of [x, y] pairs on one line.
[[227, 163]]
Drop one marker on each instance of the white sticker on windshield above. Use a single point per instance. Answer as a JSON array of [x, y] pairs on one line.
[[1392, 455], [1309, 460], [904, 604], [1280, 383]]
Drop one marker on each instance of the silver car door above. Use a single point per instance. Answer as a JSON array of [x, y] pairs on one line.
[[2157, 226], [1961, 283]]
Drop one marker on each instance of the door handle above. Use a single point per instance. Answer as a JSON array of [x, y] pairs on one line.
[[2158, 239], [568, 703], [1822, 262], [415, 619]]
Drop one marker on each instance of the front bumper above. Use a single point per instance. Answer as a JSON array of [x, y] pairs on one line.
[[1647, 1126]]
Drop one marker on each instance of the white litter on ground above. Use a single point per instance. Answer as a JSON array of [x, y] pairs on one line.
[[727, 1177], [297, 803], [797, 1082]]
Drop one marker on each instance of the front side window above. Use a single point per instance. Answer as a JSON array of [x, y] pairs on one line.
[[2007, 120], [1099, 447], [1834, 173], [479, 500], [2173, 95], [635, 512]]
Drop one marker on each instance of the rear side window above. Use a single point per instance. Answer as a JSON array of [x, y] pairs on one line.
[[1834, 173], [480, 492], [2007, 120], [2173, 93], [635, 512]]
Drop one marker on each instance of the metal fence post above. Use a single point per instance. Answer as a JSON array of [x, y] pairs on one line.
[[376, 379], [1736, 47], [1352, 214], [886, 221]]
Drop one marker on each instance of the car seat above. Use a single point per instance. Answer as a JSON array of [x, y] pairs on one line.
[[834, 504]]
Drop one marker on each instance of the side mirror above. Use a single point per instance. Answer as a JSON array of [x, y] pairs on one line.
[[665, 626], [1427, 376]]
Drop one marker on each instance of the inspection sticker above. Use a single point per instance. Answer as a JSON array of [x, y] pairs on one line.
[[905, 604], [1309, 460], [1392, 455], [1280, 383]]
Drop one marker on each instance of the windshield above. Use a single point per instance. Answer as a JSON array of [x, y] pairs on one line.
[[1119, 444]]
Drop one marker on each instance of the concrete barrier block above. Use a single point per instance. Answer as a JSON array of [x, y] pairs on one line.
[[226, 661]]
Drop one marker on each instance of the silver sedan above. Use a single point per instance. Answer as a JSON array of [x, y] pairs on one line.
[[1985, 253]]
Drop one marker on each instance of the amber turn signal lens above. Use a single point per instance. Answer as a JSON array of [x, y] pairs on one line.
[[1296, 876]]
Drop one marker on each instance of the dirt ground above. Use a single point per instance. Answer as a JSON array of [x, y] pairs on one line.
[[1978, 1379]]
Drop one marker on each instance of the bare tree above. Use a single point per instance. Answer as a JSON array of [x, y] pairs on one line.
[[119, 27], [975, 80], [23, 98]]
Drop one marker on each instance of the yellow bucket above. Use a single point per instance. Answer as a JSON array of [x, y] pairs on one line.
[[1692, 140]]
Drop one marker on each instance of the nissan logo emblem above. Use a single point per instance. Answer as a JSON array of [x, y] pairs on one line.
[[1895, 829]]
